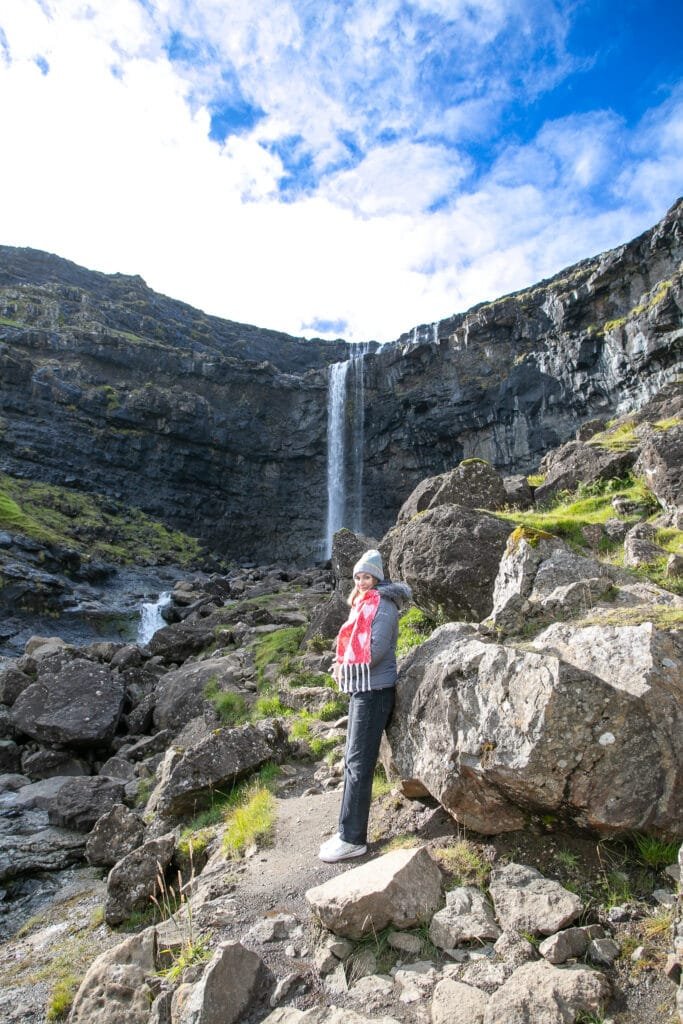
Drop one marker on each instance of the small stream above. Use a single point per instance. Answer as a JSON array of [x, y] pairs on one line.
[[126, 608]]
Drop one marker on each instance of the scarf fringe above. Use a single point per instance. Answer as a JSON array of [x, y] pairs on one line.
[[354, 678]]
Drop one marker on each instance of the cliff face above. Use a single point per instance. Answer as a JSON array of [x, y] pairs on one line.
[[221, 428]]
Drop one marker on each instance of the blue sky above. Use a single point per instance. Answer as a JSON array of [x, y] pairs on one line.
[[340, 168]]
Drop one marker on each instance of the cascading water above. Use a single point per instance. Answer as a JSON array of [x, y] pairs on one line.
[[151, 618], [336, 489], [358, 434], [345, 442]]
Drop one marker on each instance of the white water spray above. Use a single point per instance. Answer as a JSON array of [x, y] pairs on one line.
[[151, 618], [345, 444], [336, 490]]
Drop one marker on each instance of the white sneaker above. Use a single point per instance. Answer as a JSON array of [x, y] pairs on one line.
[[336, 849]]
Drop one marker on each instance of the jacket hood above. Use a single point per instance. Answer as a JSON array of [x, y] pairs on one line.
[[399, 593]]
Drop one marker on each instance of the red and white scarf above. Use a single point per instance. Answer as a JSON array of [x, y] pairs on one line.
[[354, 641]]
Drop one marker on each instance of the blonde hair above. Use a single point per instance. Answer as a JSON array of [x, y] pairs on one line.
[[355, 592]]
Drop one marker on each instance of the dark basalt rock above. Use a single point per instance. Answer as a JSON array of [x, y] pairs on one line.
[[221, 428]]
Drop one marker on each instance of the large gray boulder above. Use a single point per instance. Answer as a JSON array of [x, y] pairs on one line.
[[12, 683], [180, 693], [526, 901], [661, 463], [472, 484], [402, 888], [214, 763], [449, 555], [116, 834], [588, 727], [83, 800], [539, 576], [80, 705], [574, 463], [539, 993], [133, 880], [231, 983], [115, 989]]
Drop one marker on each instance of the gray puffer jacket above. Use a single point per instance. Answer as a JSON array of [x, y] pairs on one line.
[[385, 633]]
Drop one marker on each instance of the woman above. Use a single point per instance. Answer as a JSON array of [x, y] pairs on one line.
[[365, 668]]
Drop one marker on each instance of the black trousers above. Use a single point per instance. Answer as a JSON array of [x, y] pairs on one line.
[[369, 715]]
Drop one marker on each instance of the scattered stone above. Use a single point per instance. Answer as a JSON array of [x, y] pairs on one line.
[[274, 929], [402, 888], [569, 943], [526, 901], [415, 981], [543, 994], [43, 764], [514, 949], [664, 897], [233, 980], [404, 942], [467, 917], [284, 986], [485, 975], [456, 1003], [115, 989], [603, 951]]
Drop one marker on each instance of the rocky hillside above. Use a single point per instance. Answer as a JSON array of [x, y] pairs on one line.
[[220, 429], [522, 856]]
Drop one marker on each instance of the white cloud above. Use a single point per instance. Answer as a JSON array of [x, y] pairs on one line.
[[117, 171]]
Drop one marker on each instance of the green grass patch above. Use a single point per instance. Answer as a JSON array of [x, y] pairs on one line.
[[535, 479], [299, 679], [62, 997], [251, 821], [619, 438], [464, 863], [90, 524], [231, 707], [270, 707], [413, 629], [277, 647], [668, 424], [655, 853], [335, 708], [590, 504], [381, 785], [662, 617]]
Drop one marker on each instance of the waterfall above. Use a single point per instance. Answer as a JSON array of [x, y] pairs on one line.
[[345, 444], [358, 434], [151, 618], [336, 489]]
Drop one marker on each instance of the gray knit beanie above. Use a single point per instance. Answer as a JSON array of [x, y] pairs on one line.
[[370, 562]]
